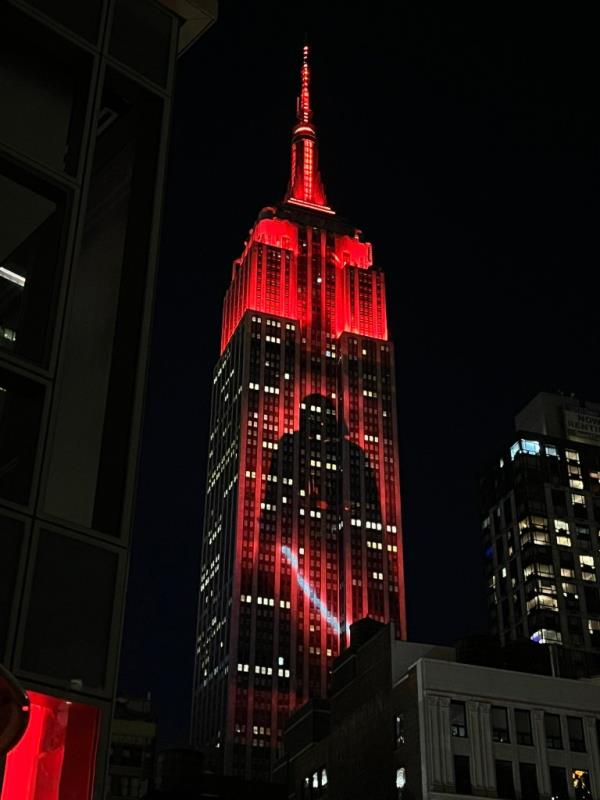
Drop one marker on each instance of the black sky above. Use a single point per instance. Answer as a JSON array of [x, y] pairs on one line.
[[466, 146]]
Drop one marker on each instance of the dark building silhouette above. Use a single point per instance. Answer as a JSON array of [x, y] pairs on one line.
[[302, 528], [86, 93], [181, 774], [541, 518], [132, 748]]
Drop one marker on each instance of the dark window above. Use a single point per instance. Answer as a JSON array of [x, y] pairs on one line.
[[11, 538], [141, 38], [553, 732], [47, 80], [592, 600], [20, 412], [523, 726], [558, 783], [69, 618], [462, 775], [87, 471], [576, 737], [458, 719], [558, 501], [500, 724], [529, 786], [30, 239], [504, 779], [83, 18], [582, 784]]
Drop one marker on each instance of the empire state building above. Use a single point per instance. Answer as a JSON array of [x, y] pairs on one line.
[[302, 526]]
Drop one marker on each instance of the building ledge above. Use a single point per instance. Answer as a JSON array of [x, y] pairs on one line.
[[196, 16]]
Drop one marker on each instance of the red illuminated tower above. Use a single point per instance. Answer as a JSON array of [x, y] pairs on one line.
[[302, 528]]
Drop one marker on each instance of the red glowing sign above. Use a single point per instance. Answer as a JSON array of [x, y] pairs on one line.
[[55, 759]]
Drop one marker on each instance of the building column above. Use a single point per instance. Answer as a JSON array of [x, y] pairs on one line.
[[541, 754], [591, 737], [440, 765], [487, 747], [483, 775], [445, 743]]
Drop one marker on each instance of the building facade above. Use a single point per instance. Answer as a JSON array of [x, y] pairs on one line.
[[302, 530], [86, 102], [132, 749], [541, 517], [406, 721]]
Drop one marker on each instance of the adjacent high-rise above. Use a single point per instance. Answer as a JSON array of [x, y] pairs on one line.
[[541, 517], [302, 530]]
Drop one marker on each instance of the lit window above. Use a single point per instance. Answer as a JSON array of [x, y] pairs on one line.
[[577, 499], [546, 636], [586, 561], [572, 455], [399, 729], [569, 589], [581, 784], [551, 450], [400, 778], [458, 719], [527, 446]]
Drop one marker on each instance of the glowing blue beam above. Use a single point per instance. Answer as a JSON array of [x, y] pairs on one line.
[[310, 592]]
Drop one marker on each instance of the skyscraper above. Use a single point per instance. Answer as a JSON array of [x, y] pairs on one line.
[[541, 516], [302, 531]]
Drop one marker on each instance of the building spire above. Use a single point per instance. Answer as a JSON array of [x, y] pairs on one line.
[[306, 186]]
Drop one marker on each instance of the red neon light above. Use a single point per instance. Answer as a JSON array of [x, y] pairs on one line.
[[359, 299], [305, 92], [55, 759], [306, 185], [359, 290]]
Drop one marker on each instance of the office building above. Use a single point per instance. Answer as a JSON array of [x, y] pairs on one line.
[[406, 721], [541, 514], [132, 748], [86, 93], [302, 515]]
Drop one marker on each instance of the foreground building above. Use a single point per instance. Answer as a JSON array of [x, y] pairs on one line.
[[86, 102], [408, 721], [302, 515], [541, 519]]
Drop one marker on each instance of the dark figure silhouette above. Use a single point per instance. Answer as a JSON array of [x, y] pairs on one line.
[[322, 438]]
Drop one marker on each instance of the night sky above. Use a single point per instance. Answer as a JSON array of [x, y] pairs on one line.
[[466, 147]]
